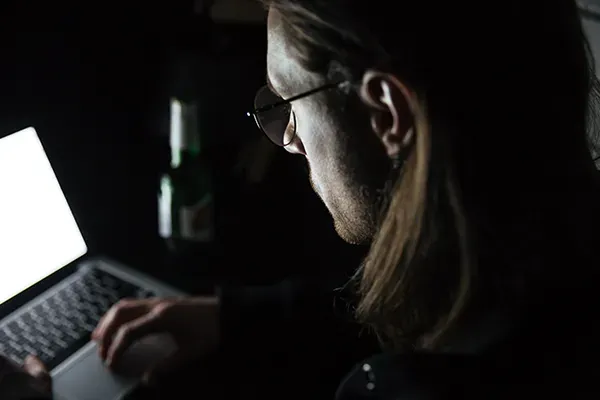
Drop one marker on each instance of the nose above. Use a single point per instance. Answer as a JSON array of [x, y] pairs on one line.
[[295, 146]]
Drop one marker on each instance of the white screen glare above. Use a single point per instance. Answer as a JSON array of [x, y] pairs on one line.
[[38, 233]]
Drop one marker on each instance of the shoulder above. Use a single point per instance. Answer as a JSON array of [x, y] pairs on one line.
[[435, 376], [505, 373], [411, 376]]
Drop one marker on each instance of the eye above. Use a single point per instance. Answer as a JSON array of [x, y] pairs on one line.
[[290, 130], [292, 123]]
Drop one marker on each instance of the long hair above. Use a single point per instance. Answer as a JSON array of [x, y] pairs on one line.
[[503, 104]]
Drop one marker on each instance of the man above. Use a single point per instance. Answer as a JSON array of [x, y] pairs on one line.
[[355, 82], [292, 326]]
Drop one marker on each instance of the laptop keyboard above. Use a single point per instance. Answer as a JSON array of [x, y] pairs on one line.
[[56, 328]]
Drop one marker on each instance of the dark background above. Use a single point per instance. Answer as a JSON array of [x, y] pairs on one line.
[[94, 79]]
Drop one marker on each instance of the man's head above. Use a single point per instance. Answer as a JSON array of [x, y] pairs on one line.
[[470, 107], [349, 141]]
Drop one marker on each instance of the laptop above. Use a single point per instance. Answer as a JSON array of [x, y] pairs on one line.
[[52, 294]]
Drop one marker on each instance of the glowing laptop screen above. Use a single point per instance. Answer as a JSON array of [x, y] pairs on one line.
[[38, 233]]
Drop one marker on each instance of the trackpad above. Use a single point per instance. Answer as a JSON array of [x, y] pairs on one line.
[[87, 378]]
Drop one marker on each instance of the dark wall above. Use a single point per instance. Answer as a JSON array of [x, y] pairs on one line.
[[86, 87]]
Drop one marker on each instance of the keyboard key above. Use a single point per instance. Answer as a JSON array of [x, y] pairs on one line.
[[16, 359], [10, 334], [30, 339], [23, 326], [63, 344], [47, 352], [15, 346], [30, 350], [12, 328], [75, 315], [43, 341], [144, 294], [55, 322], [40, 330]]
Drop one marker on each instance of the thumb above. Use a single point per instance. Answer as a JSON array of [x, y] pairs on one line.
[[34, 367], [165, 366]]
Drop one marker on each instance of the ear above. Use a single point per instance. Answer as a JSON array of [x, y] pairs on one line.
[[390, 106]]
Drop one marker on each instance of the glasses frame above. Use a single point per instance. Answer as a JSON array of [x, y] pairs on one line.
[[254, 113]]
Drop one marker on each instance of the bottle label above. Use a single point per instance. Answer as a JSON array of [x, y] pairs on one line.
[[165, 217], [195, 222], [178, 221]]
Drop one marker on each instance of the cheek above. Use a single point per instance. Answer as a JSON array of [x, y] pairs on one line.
[[321, 179], [309, 131], [318, 140], [313, 131], [317, 162]]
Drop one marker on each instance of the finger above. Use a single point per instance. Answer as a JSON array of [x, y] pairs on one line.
[[131, 332], [34, 367], [121, 313], [161, 368], [115, 312]]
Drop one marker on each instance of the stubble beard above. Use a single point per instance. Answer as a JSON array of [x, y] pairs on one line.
[[370, 201]]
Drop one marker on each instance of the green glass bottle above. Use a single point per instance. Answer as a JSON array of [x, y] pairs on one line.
[[186, 197]]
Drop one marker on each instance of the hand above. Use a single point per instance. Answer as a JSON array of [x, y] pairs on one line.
[[192, 322], [33, 380]]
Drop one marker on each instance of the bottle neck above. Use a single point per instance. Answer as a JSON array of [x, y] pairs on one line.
[[184, 134]]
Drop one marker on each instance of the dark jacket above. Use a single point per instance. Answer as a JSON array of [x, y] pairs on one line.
[[545, 350], [296, 339]]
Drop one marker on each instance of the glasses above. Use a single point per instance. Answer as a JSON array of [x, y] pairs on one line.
[[274, 115]]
